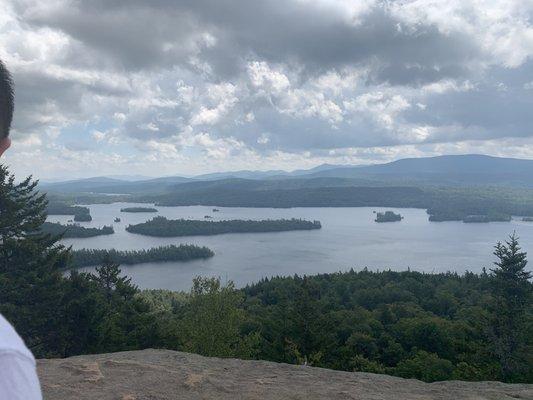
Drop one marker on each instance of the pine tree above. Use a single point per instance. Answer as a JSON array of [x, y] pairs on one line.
[[125, 319], [31, 285], [512, 292]]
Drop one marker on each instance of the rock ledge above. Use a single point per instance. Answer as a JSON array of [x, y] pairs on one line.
[[164, 374]]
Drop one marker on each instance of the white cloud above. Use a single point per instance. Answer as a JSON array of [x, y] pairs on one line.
[[333, 81], [380, 106], [270, 80], [98, 136]]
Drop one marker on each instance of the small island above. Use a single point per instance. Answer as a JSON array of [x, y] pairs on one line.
[[469, 219], [83, 218], [74, 231], [183, 252], [388, 216], [139, 210], [162, 227], [527, 219]]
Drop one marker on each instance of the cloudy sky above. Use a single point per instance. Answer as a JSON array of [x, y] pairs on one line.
[[180, 87]]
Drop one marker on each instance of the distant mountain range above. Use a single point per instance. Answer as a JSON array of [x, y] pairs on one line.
[[448, 170]]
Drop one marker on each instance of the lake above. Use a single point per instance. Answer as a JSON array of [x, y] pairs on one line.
[[349, 238]]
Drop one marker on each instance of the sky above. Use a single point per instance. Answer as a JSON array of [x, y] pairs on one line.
[[183, 87]]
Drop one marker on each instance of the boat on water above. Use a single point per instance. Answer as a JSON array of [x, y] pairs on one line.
[[117, 219]]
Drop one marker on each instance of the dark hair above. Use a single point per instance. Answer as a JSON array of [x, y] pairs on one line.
[[7, 101]]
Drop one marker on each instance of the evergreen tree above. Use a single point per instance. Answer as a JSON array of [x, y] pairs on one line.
[[83, 314], [125, 321], [306, 314], [512, 294], [31, 286]]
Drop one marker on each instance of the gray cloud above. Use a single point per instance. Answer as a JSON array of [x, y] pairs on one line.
[[243, 82], [139, 35]]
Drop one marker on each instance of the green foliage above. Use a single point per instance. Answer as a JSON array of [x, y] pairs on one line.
[[424, 326], [213, 319], [74, 231], [125, 321], [426, 367], [183, 252], [160, 226], [512, 303], [30, 281]]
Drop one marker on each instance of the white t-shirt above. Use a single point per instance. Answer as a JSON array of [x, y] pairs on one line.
[[18, 377]]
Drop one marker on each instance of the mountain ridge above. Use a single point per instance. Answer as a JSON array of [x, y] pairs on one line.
[[467, 169]]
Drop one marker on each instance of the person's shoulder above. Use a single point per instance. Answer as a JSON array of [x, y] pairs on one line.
[[11, 344]]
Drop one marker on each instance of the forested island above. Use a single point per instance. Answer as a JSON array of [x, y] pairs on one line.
[[487, 218], [74, 231], [388, 216], [81, 214], [139, 210], [160, 226], [83, 217], [183, 252]]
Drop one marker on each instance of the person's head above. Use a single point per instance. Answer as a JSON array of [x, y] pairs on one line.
[[6, 107]]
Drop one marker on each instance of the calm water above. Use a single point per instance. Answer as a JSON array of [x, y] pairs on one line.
[[349, 238]]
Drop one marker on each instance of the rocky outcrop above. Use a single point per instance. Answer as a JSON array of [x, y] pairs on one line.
[[164, 374]]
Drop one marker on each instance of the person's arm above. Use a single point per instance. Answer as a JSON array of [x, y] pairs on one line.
[[18, 377]]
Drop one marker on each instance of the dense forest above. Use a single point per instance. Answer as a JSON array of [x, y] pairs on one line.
[[74, 231], [139, 210], [431, 327], [160, 226], [424, 326], [183, 252]]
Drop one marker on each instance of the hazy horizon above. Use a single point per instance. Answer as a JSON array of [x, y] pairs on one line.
[[303, 171]]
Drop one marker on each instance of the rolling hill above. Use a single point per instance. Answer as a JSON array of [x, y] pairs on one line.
[[449, 170]]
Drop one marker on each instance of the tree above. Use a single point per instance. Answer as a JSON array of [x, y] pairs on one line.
[[425, 366], [125, 319], [512, 293], [32, 287], [213, 320]]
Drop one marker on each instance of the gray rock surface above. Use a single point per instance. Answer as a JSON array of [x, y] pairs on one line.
[[164, 374]]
